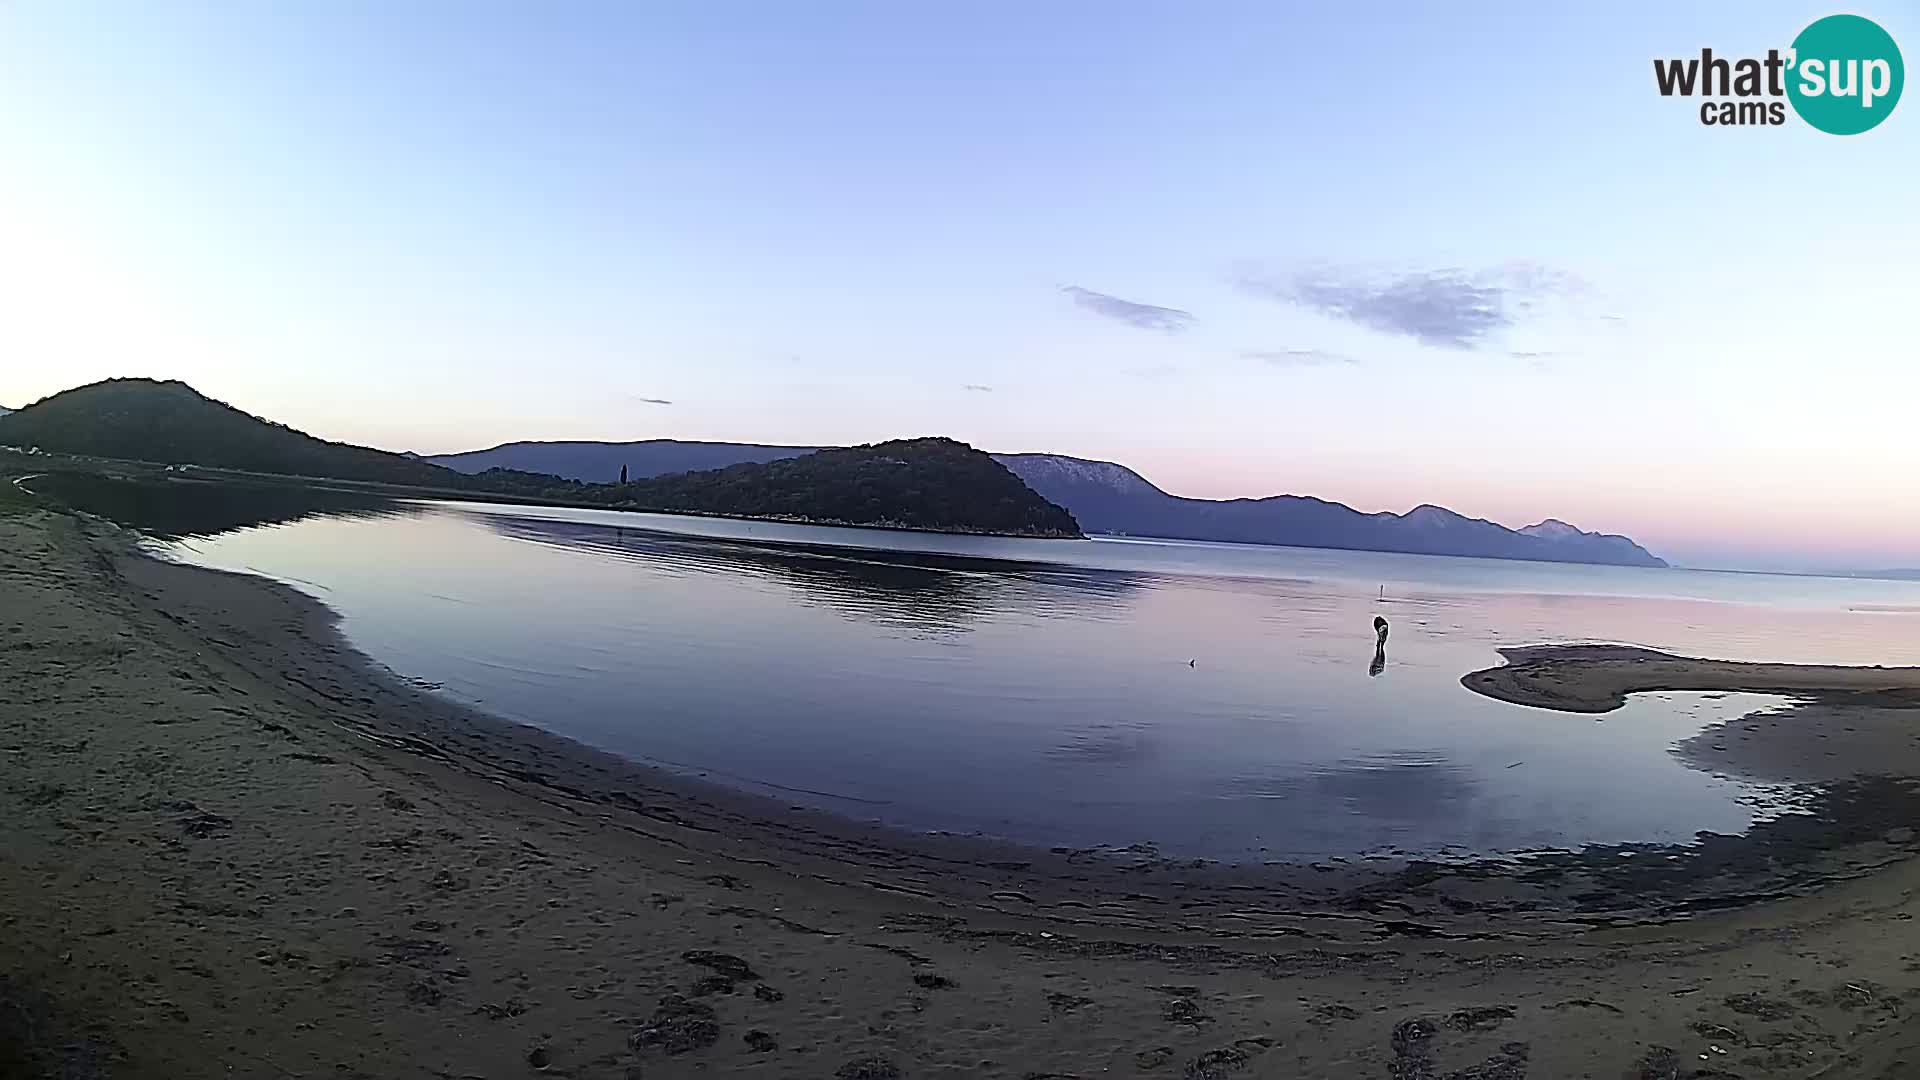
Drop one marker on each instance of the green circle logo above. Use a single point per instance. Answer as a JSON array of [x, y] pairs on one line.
[[1845, 74]]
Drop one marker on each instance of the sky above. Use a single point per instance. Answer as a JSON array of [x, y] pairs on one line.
[[1387, 254]]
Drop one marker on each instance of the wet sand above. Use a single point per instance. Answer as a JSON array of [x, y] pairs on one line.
[[1833, 723], [233, 847], [1598, 678]]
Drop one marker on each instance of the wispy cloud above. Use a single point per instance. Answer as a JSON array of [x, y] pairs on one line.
[[648, 400], [1521, 354], [979, 388], [1297, 357], [1529, 282], [1450, 308], [1142, 316]]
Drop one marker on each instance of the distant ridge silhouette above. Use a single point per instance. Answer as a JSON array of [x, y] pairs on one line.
[[1106, 497]]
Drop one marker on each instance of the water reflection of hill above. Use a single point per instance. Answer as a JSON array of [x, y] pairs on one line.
[[174, 508], [922, 591]]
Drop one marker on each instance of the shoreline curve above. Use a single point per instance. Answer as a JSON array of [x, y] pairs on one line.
[[236, 846], [1599, 678]]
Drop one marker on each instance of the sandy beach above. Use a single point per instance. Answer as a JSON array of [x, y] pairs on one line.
[[1835, 722], [235, 847]]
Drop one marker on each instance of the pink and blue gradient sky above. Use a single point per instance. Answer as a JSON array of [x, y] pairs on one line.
[[1380, 253]]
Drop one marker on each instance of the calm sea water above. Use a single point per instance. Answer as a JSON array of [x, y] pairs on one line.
[[1215, 701]]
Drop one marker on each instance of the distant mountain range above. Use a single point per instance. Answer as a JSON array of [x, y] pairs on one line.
[[1109, 498], [933, 484]]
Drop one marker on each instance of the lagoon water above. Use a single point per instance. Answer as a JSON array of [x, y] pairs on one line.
[[1213, 701]]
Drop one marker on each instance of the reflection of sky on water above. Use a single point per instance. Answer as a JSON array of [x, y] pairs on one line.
[[1058, 692], [182, 506], [1402, 787], [921, 591]]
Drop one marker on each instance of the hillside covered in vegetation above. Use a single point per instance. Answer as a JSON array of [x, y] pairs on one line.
[[171, 423], [934, 484]]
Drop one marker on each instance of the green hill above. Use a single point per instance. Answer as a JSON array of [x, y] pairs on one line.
[[935, 484], [172, 423]]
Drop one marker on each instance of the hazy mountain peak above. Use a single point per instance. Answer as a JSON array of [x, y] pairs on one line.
[[1061, 468], [1555, 529], [1111, 498]]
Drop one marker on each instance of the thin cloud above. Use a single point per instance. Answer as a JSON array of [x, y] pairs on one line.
[[1519, 354], [1140, 316], [979, 388], [1297, 357], [649, 400], [1449, 308], [1530, 282]]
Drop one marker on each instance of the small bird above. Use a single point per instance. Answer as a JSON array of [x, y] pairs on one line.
[[1193, 663]]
